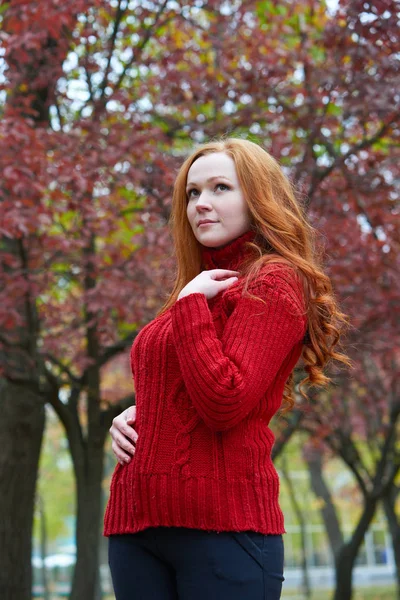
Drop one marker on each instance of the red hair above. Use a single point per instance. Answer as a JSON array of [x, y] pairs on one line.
[[283, 235]]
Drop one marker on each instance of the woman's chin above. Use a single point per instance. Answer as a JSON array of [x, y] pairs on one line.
[[214, 241]]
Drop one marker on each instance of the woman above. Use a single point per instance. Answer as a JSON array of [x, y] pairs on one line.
[[193, 510]]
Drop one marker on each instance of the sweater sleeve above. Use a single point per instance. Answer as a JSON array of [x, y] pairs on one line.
[[226, 378]]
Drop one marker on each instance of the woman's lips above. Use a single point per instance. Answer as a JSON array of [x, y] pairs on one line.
[[209, 223]]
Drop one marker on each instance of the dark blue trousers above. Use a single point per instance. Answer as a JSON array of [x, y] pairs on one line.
[[175, 563]]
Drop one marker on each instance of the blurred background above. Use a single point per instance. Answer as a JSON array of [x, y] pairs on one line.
[[100, 101]]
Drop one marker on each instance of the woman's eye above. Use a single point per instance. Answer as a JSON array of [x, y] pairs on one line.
[[193, 193]]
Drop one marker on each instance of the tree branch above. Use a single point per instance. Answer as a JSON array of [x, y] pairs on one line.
[[380, 482], [118, 18], [142, 45], [292, 425], [340, 159], [117, 348], [62, 367], [60, 409]]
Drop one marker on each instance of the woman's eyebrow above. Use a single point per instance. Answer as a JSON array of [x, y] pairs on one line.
[[209, 179]]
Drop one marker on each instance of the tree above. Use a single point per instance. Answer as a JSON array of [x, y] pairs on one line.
[[22, 161], [74, 240], [313, 455], [305, 584], [392, 517], [106, 97], [369, 417]]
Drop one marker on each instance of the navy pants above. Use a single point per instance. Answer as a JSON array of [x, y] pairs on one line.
[[175, 563]]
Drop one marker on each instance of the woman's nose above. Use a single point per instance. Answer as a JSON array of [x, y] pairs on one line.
[[203, 201]]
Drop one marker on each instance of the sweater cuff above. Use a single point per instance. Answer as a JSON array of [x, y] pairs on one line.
[[190, 306]]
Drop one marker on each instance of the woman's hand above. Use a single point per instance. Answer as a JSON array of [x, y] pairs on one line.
[[122, 432], [210, 283]]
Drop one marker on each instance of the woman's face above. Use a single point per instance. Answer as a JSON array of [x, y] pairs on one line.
[[214, 194]]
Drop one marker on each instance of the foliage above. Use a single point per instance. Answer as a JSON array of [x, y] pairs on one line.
[[87, 193], [100, 101]]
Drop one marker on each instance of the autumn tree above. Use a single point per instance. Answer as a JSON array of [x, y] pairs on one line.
[[359, 422], [103, 99], [68, 279], [24, 118]]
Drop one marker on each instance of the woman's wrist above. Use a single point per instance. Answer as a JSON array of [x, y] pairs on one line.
[[183, 294]]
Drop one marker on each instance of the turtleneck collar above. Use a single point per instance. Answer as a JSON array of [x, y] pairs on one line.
[[230, 256]]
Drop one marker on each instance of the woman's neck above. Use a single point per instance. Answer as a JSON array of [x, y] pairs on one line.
[[228, 256]]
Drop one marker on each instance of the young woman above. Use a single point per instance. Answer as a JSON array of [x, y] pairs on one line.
[[194, 510]]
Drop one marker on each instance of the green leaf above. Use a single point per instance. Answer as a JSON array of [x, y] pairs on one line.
[[318, 54], [334, 110], [281, 10], [265, 9]]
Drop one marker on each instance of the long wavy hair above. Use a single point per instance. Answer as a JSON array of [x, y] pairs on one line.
[[282, 234]]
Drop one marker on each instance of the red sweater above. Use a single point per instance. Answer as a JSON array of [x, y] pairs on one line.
[[209, 375]]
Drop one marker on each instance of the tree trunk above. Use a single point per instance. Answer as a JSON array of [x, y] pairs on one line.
[[31, 85], [86, 580], [322, 492], [103, 541], [344, 564], [347, 554], [21, 431], [389, 502], [305, 585]]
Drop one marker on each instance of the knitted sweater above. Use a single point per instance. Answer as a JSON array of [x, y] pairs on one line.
[[209, 375]]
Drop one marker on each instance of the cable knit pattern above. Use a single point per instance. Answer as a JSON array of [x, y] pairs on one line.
[[209, 376]]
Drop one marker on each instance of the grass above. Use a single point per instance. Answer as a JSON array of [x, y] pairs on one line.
[[367, 593], [370, 593]]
